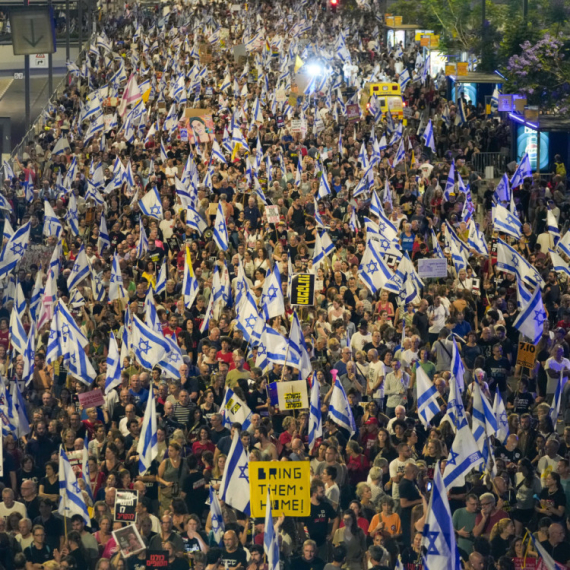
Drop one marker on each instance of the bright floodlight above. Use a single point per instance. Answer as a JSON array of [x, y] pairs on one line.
[[314, 69]]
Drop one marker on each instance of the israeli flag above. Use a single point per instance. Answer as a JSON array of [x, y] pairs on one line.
[[339, 408], [315, 414], [558, 264], [234, 488], [80, 269], [72, 215], [4, 204], [376, 207], [29, 355], [103, 240], [324, 187], [162, 277], [530, 321], [77, 301], [116, 290], [552, 226], [270, 536], [484, 421], [506, 222], [234, 409], [72, 502], [113, 374], [298, 348], [14, 250], [149, 346], [461, 117], [400, 154], [510, 260], [217, 153], [18, 335], [20, 301], [523, 171], [501, 417], [147, 447], [216, 518], [429, 140], [151, 205], [503, 190], [464, 455], [564, 244], [372, 270], [20, 419], [272, 300], [404, 79], [427, 397], [189, 282], [221, 230], [278, 348], [85, 468], [439, 546], [8, 172], [247, 316], [476, 240], [78, 364], [195, 220]]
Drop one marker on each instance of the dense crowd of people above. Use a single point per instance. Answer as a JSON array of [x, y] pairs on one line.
[[124, 120]]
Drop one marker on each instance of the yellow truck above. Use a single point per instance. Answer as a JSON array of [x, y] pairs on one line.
[[389, 96]]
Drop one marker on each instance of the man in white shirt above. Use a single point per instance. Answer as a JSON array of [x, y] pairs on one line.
[[437, 314], [376, 375], [9, 505], [400, 414], [360, 337], [397, 467], [549, 461], [556, 365]]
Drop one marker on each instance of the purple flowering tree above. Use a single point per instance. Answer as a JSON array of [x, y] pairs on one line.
[[542, 73]]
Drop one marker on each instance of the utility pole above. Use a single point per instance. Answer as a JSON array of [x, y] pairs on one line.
[[27, 83], [67, 26]]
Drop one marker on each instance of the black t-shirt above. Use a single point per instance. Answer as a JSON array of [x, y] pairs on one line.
[[560, 553], [196, 493], [54, 530], [38, 556], [9, 466], [317, 522], [509, 456], [408, 490], [233, 559], [522, 402], [32, 507], [557, 499], [301, 564], [497, 372], [217, 435]]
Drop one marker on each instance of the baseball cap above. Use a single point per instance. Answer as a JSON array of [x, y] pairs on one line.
[[371, 422], [363, 324]]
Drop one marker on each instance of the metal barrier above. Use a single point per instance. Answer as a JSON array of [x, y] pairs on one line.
[[497, 160]]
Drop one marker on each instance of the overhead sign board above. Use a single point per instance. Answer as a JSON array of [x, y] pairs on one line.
[[33, 30]]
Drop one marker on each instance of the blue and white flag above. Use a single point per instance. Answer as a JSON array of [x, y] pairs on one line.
[[427, 397], [373, 270], [315, 414], [530, 320], [14, 250], [221, 230], [20, 419], [277, 347], [195, 220], [142, 246], [247, 315], [400, 154], [404, 79], [438, 544], [52, 225], [78, 363], [85, 468], [103, 240], [72, 502], [272, 301], [234, 488], [234, 409], [116, 289], [503, 190], [376, 207], [564, 244], [506, 222], [29, 355], [80, 269], [151, 205], [548, 561], [523, 171], [461, 117], [298, 348], [270, 536], [501, 417], [147, 447], [18, 335], [324, 186], [552, 226], [339, 409], [173, 361], [149, 346], [511, 261], [428, 137], [216, 518], [457, 368], [464, 454], [113, 374], [558, 264], [483, 418], [72, 215], [476, 240], [161, 279]]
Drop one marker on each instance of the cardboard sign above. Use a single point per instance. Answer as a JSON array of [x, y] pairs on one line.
[[183, 135], [297, 126], [272, 213], [156, 559], [289, 395], [240, 53], [526, 355], [91, 399], [432, 267], [280, 95], [206, 52], [125, 506], [303, 290], [289, 484], [280, 122], [201, 123]]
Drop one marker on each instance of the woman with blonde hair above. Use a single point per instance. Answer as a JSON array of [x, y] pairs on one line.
[[501, 536]]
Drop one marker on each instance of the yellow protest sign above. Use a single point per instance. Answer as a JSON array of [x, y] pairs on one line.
[[526, 355], [289, 484], [462, 68], [298, 63]]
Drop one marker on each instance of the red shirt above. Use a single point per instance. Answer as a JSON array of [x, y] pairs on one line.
[[227, 358], [167, 331]]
